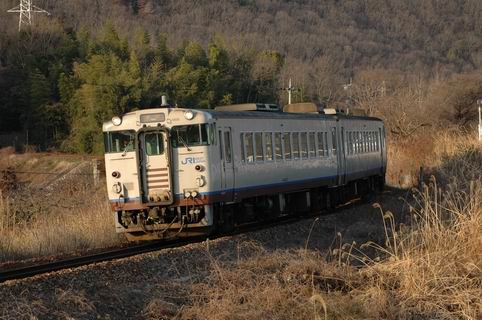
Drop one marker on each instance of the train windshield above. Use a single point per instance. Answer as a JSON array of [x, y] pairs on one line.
[[119, 141], [191, 136]]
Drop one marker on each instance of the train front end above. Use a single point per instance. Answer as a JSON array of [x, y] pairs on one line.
[[157, 174]]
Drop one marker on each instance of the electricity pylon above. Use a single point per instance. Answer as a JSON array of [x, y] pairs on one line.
[[25, 10]]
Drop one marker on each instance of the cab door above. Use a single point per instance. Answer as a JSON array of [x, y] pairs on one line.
[[154, 157], [227, 162]]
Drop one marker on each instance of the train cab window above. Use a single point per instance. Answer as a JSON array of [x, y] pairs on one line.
[[258, 140], [191, 136], [248, 144], [304, 145], [296, 145], [119, 141], [277, 146], [154, 144], [268, 140], [287, 145], [312, 144]]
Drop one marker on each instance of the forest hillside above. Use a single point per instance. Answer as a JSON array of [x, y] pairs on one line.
[[92, 59]]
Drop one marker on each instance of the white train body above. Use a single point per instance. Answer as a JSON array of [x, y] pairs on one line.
[[172, 170]]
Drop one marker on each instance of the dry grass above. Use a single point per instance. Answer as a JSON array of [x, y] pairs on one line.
[[428, 269], [62, 231]]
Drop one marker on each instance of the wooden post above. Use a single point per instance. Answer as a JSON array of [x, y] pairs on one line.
[[95, 172]]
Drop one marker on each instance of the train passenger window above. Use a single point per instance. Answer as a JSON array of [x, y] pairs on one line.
[[227, 146], [258, 140], [333, 140], [191, 136], [154, 144], [287, 144], [243, 155], [268, 140], [320, 149], [119, 141], [348, 142], [304, 145], [277, 146], [296, 145], [221, 152], [248, 143], [312, 144], [326, 144]]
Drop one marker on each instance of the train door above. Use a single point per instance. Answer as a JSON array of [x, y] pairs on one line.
[[154, 157], [338, 138], [227, 161]]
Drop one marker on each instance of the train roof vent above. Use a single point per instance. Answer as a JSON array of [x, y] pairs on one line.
[[356, 112], [250, 107], [305, 107]]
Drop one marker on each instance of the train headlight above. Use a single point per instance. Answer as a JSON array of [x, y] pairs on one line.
[[117, 121], [200, 181], [189, 115], [194, 194], [187, 194]]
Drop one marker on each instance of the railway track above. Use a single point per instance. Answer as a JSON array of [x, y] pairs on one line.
[[30, 271]]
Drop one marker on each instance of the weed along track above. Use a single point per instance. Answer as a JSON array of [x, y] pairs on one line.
[[114, 254]]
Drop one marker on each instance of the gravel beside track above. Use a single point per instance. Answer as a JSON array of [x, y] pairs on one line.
[[121, 289]]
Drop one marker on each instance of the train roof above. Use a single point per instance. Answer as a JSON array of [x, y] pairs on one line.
[[281, 115]]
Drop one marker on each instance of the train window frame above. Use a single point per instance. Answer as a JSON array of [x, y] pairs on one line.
[[227, 146], [129, 144], [243, 153], [268, 136], [311, 145], [295, 142], [289, 144], [303, 145], [160, 144], [249, 137], [334, 141], [259, 152], [185, 142], [278, 137]]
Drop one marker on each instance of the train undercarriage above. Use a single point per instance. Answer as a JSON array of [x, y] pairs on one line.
[[222, 218]]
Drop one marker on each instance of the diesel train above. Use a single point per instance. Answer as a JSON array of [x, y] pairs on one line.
[[175, 172]]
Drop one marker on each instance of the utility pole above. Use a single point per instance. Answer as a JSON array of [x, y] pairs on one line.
[[347, 88], [479, 104], [289, 89], [25, 10]]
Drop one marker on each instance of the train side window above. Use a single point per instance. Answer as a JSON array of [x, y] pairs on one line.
[[287, 145], [268, 140], [312, 143], [304, 145], [221, 153], [227, 146], [296, 145], [327, 149], [321, 150], [243, 155], [258, 141], [372, 140], [333, 140], [348, 142], [248, 142], [277, 146]]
